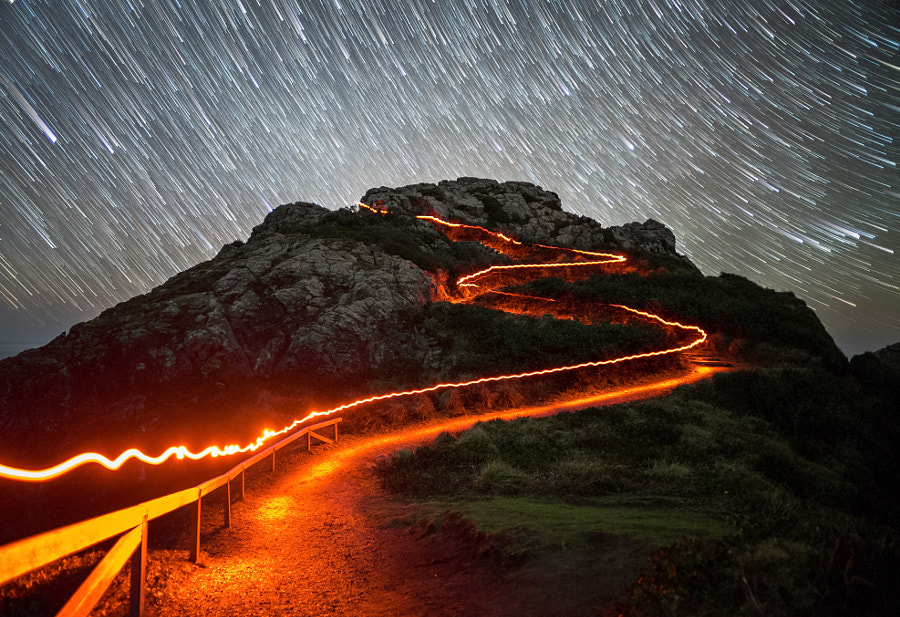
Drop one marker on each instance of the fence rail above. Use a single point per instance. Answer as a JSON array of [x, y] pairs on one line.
[[130, 524]]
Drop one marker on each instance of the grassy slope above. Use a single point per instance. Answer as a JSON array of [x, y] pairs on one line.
[[768, 326], [779, 480]]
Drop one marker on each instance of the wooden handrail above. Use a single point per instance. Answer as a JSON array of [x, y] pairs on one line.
[[23, 556], [92, 589]]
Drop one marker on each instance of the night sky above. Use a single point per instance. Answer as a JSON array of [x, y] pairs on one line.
[[139, 136]]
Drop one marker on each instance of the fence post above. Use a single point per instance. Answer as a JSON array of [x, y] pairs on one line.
[[195, 529], [228, 503], [139, 574], [308, 441], [242, 484], [273, 460], [335, 431]]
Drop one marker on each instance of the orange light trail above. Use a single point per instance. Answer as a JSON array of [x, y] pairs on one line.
[[380, 211], [496, 240], [430, 430], [513, 295], [464, 281]]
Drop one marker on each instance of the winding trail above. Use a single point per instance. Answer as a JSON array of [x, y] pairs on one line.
[[318, 542], [533, 261]]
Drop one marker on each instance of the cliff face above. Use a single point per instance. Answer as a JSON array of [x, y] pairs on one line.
[[309, 300]]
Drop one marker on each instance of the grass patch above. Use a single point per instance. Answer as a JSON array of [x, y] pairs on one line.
[[480, 341], [538, 526]]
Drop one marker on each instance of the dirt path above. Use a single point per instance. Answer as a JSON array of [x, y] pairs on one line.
[[317, 543], [313, 544]]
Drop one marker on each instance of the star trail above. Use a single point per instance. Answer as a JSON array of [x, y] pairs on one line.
[[137, 138]]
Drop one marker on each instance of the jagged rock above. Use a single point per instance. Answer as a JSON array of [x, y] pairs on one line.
[[290, 219], [650, 236], [890, 356]]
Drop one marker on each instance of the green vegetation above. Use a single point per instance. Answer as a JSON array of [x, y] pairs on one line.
[[660, 263], [781, 480], [753, 429], [775, 325], [391, 233], [534, 526], [481, 341]]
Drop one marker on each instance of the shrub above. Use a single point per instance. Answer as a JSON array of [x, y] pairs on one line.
[[578, 476], [498, 478], [474, 447]]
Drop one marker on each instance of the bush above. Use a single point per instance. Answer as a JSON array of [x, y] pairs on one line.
[[498, 478]]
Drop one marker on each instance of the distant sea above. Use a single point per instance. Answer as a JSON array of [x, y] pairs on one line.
[[10, 349]]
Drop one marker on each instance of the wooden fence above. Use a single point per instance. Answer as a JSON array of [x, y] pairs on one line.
[[23, 556]]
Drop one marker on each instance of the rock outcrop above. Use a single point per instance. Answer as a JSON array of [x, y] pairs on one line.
[[309, 300], [283, 307], [527, 211]]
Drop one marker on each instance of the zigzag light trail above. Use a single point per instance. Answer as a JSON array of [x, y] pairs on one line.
[[471, 284]]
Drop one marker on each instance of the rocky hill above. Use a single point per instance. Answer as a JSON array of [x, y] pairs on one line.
[[779, 478], [314, 299], [319, 306]]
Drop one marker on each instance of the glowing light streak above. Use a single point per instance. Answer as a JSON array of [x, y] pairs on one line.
[[407, 436], [440, 221], [29, 109], [465, 281], [181, 452], [372, 209]]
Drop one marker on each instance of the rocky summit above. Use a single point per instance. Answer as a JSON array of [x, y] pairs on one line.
[[311, 299], [531, 213]]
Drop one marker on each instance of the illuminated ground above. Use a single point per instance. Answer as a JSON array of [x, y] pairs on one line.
[[318, 542]]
